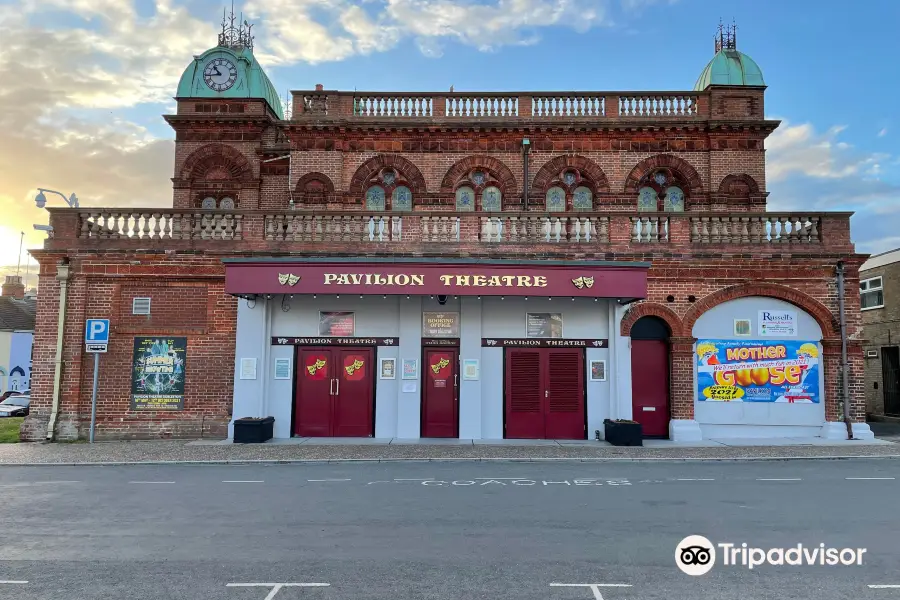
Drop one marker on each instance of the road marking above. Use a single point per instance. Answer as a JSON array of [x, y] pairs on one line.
[[239, 481], [889, 586], [869, 478], [400, 479], [9, 581], [276, 587], [321, 480], [595, 587], [695, 480], [151, 482], [780, 479]]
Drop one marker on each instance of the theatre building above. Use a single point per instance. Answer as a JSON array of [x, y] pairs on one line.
[[463, 264]]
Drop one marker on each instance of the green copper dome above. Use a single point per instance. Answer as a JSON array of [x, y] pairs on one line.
[[228, 72], [730, 67]]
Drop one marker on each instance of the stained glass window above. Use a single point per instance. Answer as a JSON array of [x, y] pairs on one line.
[[556, 200], [226, 204], [660, 178], [674, 201], [478, 177], [490, 199], [208, 203], [401, 199], [582, 199], [569, 177], [465, 199], [375, 198], [647, 199], [389, 178]]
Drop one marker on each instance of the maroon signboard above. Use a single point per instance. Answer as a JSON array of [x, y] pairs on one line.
[[436, 279], [334, 341], [542, 343]]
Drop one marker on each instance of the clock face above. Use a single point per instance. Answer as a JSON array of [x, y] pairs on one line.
[[220, 74]]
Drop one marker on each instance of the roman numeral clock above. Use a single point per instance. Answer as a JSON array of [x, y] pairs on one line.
[[220, 74]]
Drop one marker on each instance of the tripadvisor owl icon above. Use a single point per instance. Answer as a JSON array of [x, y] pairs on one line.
[[695, 555]]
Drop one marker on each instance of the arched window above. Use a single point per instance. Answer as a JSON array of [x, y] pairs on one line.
[[465, 198], [674, 201], [582, 199], [491, 199], [556, 199], [375, 198], [401, 199], [226, 203], [661, 185], [208, 203]]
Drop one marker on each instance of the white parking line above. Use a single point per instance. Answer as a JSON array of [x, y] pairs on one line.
[[780, 479], [276, 587], [238, 481], [8, 581], [321, 480], [595, 587], [869, 478], [695, 479], [884, 586]]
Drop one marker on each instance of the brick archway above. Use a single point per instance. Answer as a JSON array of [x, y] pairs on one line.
[[216, 156], [816, 309], [326, 182], [368, 169], [652, 309], [725, 187], [508, 184], [554, 166], [683, 167]]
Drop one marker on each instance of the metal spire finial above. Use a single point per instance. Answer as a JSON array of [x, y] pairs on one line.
[[234, 36]]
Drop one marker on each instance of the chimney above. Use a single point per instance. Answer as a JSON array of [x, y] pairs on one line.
[[14, 287], [319, 87]]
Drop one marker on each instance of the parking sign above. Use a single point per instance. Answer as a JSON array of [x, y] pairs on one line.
[[96, 335]]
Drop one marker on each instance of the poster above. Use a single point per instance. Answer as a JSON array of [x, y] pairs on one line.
[[337, 324], [758, 371], [157, 373], [440, 325], [543, 325], [598, 370], [388, 368], [778, 323], [410, 368], [470, 369]]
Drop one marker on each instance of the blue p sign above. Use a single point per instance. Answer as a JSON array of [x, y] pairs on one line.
[[97, 331]]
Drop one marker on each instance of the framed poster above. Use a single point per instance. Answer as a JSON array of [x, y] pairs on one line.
[[388, 368], [248, 368], [410, 368], [758, 371], [598, 370], [440, 325], [157, 373], [337, 324], [282, 368], [778, 323], [470, 369], [543, 325]]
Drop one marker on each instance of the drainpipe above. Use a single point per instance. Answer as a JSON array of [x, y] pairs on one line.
[[845, 375], [526, 145], [62, 276]]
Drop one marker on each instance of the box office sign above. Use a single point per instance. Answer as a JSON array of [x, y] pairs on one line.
[[337, 324], [758, 371], [440, 325], [157, 373]]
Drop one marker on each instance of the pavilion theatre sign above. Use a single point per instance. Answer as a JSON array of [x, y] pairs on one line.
[[476, 279]]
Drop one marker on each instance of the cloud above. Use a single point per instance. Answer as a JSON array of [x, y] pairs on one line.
[[812, 171], [883, 132]]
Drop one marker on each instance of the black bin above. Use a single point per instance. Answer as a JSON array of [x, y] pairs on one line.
[[253, 430]]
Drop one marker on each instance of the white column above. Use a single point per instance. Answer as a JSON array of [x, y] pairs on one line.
[[409, 404], [250, 342], [470, 348], [621, 357]]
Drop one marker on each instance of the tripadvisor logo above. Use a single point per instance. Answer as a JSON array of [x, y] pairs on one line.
[[696, 555]]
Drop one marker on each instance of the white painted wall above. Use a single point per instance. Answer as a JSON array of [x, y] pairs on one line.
[[756, 419]]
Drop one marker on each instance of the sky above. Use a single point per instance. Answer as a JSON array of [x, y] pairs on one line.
[[83, 83]]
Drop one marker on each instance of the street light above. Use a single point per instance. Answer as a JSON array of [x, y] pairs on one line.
[[41, 199]]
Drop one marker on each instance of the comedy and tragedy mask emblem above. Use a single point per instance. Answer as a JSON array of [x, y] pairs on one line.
[[583, 282], [288, 279], [436, 367], [319, 364], [351, 369]]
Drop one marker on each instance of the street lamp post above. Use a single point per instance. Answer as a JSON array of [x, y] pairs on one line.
[[41, 199]]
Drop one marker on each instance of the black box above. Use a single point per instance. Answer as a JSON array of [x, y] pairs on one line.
[[250, 430], [623, 433]]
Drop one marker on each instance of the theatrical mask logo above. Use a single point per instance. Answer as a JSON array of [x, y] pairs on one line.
[[695, 555]]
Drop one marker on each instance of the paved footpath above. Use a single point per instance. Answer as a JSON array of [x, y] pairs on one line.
[[332, 450], [442, 531]]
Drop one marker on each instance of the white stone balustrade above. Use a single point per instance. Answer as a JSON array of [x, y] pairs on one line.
[[757, 229], [147, 225]]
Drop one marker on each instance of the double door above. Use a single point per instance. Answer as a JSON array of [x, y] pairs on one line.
[[335, 392], [545, 397]]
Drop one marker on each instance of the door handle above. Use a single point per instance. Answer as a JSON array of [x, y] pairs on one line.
[[455, 376], [546, 393], [337, 387], [331, 387]]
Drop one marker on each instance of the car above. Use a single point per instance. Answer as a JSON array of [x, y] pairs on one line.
[[9, 393], [15, 406]]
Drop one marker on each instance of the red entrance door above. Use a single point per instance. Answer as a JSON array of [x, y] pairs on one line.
[[334, 393], [440, 402], [650, 386], [545, 393]]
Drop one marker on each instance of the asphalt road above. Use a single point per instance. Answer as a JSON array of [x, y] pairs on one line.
[[440, 531]]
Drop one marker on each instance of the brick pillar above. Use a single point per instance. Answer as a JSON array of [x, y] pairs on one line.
[[14, 287], [681, 380]]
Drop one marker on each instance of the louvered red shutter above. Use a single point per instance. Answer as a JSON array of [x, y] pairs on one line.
[[524, 394], [565, 394]]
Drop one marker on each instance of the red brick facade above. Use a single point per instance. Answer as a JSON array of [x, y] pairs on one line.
[[320, 164]]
